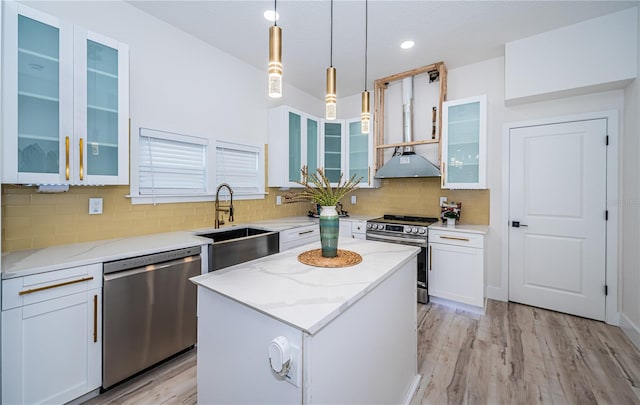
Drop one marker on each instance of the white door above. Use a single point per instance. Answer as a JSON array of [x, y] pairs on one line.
[[557, 193]]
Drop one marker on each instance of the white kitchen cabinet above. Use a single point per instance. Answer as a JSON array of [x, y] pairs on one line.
[[350, 228], [456, 268], [359, 229], [464, 143], [333, 146], [52, 336], [359, 156], [66, 102], [294, 141], [299, 236]]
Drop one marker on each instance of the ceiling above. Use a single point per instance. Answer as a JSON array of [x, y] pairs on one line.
[[456, 32]]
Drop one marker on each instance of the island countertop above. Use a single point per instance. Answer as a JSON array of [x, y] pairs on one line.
[[303, 296]]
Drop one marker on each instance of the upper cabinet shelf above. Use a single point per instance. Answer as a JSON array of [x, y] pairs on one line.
[[65, 94]]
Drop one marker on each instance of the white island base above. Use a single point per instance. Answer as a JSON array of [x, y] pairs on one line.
[[362, 350]]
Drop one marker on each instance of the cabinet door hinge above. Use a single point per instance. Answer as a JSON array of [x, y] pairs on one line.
[[606, 215], [606, 289]]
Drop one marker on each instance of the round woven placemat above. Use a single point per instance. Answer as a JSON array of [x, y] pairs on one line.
[[345, 258]]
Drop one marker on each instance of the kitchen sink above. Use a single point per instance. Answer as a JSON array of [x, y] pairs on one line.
[[239, 245]]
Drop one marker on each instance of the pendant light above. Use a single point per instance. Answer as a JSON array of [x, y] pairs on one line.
[[330, 99], [365, 117], [275, 57]]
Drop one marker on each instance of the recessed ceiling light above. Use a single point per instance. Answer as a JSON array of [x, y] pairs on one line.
[[407, 44], [269, 15]]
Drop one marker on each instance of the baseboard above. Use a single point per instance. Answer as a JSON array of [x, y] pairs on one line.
[[412, 389], [630, 329], [458, 305], [496, 293]]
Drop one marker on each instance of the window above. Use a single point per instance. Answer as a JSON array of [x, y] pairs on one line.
[[242, 167], [168, 167]]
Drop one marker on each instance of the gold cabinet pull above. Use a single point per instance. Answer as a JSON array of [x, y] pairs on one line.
[[81, 159], [369, 175], [430, 258], [95, 319], [67, 171], [48, 287], [305, 232], [454, 238]]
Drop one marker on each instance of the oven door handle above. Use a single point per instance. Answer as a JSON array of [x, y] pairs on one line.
[[402, 241]]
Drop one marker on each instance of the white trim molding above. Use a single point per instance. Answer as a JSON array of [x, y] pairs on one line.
[[630, 329], [612, 315]]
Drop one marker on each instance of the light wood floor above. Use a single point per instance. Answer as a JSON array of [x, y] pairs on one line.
[[515, 354]]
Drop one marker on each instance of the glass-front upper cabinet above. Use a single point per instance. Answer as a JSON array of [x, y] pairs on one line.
[[104, 121], [66, 102], [294, 142], [360, 153], [333, 143], [464, 138]]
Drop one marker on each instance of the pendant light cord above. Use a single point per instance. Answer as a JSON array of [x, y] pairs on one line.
[[331, 46], [366, 36], [275, 13]]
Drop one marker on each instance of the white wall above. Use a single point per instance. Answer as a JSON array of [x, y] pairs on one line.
[[597, 52], [179, 83], [630, 206]]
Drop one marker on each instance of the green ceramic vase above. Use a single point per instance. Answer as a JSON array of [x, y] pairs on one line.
[[329, 231]]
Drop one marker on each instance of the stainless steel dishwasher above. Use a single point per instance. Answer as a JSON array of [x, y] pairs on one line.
[[149, 311]]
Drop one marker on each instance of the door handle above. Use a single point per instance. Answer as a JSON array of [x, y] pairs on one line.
[[517, 224], [67, 158]]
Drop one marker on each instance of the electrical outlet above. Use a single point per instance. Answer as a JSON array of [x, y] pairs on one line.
[[443, 200], [353, 199], [95, 206], [278, 200]]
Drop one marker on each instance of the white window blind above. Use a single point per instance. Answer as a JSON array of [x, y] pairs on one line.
[[171, 164], [239, 166]]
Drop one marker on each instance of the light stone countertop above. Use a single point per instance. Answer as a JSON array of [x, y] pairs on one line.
[[480, 229], [34, 261], [303, 296]]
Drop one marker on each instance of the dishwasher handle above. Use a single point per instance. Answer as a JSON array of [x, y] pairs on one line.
[[150, 267]]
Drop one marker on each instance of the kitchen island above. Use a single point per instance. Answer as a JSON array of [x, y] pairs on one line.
[[351, 331]]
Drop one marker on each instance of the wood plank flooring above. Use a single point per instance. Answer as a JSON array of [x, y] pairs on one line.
[[515, 354]]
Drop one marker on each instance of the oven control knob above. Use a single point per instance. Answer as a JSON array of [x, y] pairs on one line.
[[369, 226], [414, 230], [380, 226], [421, 231], [407, 229]]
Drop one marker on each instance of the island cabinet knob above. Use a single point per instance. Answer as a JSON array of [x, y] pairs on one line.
[[280, 355]]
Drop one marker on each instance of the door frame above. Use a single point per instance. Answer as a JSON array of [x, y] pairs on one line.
[[612, 315]]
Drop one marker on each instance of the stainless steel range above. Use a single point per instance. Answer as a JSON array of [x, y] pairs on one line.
[[406, 230]]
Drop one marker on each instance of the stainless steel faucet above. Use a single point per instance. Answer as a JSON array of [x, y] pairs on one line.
[[228, 208]]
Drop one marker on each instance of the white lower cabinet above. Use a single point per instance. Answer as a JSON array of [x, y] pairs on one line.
[[52, 336], [456, 266], [350, 228], [299, 236]]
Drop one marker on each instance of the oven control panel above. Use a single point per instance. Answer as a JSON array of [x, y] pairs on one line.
[[406, 229]]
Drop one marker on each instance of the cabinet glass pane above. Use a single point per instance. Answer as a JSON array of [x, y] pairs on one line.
[[463, 145], [102, 109], [38, 97], [312, 145], [295, 158], [332, 151], [358, 151]]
